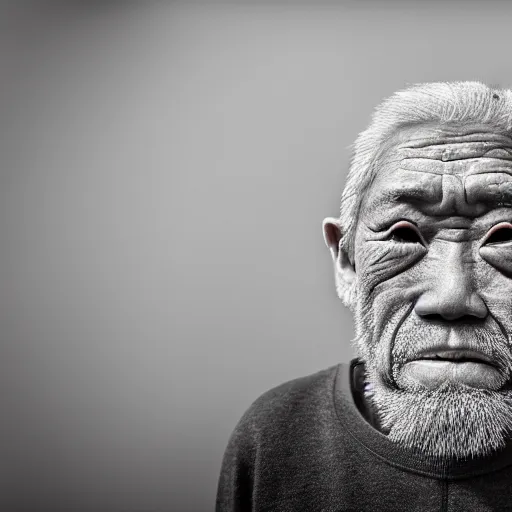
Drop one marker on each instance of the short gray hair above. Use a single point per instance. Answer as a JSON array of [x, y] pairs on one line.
[[441, 102]]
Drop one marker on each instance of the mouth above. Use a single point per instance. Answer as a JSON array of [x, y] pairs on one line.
[[457, 356], [431, 369]]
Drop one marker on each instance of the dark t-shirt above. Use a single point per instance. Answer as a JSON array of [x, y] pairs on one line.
[[311, 445]]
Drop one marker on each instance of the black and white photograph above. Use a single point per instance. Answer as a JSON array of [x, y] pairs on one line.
[[255, 256]]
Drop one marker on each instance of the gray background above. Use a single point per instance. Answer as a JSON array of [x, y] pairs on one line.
[[165, 169]]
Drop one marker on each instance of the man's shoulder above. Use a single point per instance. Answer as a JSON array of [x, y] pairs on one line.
[[298, 399], [282, 430]]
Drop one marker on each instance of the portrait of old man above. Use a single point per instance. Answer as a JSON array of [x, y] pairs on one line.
[[422, 254]]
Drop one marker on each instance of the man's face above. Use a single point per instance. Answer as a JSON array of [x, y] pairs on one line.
[[433, 260]]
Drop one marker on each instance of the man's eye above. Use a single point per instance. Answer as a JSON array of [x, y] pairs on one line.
[[405, 233], [499, 234]]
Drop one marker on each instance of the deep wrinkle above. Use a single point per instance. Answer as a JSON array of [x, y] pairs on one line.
[[450, 134], [391, 359], [502, 329], [438, 167]]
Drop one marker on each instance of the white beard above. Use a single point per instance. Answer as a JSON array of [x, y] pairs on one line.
[[449, 422], [452, 421]]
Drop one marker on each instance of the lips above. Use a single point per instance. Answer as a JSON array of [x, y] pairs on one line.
[[433, 368], [456, 356]]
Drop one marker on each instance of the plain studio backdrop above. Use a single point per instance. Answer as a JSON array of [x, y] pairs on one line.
[[165, 169]]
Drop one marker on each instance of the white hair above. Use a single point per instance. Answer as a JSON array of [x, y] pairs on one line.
[[439, 102]]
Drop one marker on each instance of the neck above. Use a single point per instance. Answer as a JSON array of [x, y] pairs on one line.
[[361, 391]]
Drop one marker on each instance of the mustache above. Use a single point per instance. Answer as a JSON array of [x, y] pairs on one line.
[[482, 342]]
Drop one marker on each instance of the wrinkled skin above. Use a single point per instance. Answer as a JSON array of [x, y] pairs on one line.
[[432, 270]]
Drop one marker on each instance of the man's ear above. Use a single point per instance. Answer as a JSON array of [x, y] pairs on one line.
[[344, 271]]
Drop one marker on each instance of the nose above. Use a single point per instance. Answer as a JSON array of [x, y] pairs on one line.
[[450, 293]]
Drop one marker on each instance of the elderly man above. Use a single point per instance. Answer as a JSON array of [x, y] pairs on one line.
[[422, 251]]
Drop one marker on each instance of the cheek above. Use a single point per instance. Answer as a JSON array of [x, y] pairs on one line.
[[389, 276], [383, 312], [379, 262], [387, 326], [495, 288], [499, 258]]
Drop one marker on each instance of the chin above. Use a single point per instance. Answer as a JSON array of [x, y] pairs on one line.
[[453, 420]]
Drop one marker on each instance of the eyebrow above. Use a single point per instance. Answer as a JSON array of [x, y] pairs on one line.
[[498, 189], [422, 189], [392, 198], [427, 190]]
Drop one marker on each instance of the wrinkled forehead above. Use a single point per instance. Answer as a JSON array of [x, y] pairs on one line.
[[445, 170]]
